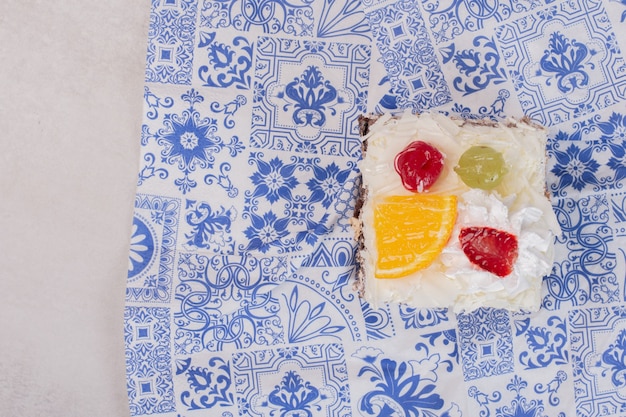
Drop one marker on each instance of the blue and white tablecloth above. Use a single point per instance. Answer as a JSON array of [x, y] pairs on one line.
[[239, 296]]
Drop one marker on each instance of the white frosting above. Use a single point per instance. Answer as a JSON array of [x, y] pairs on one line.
[[518, 205]]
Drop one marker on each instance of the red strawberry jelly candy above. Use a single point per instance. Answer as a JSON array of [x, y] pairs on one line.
[[419, 166], [491, 249]]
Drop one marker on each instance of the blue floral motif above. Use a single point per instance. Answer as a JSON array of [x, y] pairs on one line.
[[486, 343], [222, 180], [331, 253], [615, 358], [551, 388], [574, 167], [211, 386], [272, 16], [406, 386], [495, 111], [598, 336], [378, 323], [584, 271], [307, 322], [478, 68], [614, 128], [266, 231], [314, 381], [326, 183], [311, 96], [148, 360], [409, 57], [274, 179], [557, 59], [154, 103], [566, 59], [227, 65], [449, 19], [170, 42], [210, 228], [227, 301], [341, 19], [189, 141], [547, 344], [151, 281], [308, 94], [417, 318], [142, 247], [295, 397], [229, 109], [520, 406], [149, 170]]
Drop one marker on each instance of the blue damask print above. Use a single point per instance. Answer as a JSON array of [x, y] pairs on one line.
[[294, 396], [596, 128], [307, 204], [417, 318], [189, 141], [495, 111], [378, 322], [229, 109], [330, 252], [142, 247], [148, 360], [210, 226], [307, 95], [597, 346], [615, 359], [585, 258], [313, 381], [546, 344], [208, 386], [152, 249], [450, 18], [311, 97], [520, 405], [226, 301], [580, 167], [401, 387], [170, 41], [342, 19], [154, 103], [486, 343], [408, 56], [478, 68], [274, 179], [265, 16], [223, 180], [574, 167], [150, 170], [228, 64], [569, 61], [320, 307], [557, 58], [307, 322]]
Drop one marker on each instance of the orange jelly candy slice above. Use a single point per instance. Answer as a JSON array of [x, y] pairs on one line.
[[411, 231]]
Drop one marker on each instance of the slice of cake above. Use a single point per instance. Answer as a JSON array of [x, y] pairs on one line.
[[453, 213]]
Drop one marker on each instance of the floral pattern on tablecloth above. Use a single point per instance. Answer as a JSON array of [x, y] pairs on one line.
[[240, 298]]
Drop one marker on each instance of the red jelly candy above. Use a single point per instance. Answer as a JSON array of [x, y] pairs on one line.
[[491, 249], [419, 166]]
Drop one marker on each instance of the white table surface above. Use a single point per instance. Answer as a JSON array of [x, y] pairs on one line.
[[71, 86]]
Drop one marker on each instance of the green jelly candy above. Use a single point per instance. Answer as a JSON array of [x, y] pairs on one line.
[[481, 167]]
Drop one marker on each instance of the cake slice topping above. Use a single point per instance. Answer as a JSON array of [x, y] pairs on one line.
[[419, 165], [491, 249], [411, 232], [481, 167]]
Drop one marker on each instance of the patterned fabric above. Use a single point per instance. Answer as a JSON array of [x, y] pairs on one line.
[[239, 297]]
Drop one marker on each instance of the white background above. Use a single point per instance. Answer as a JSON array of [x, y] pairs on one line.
[[71, 94]]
